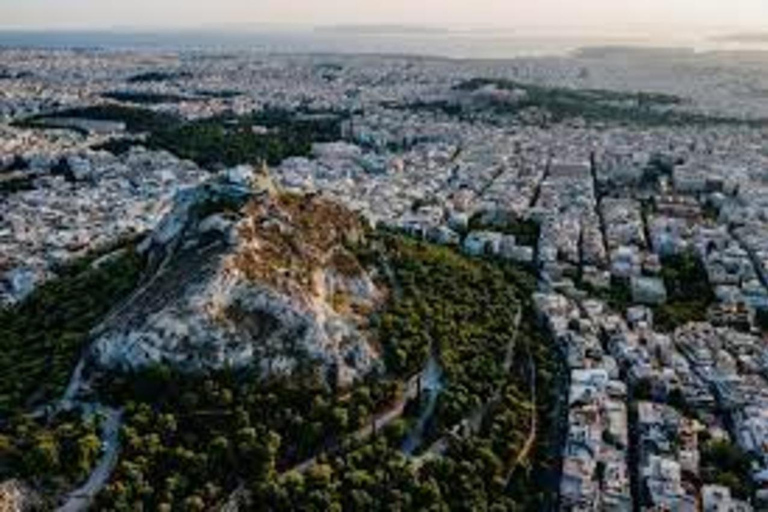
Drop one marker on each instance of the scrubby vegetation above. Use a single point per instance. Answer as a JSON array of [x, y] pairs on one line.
[[287, 255], [42, 338], [188, 442], [440, 295]]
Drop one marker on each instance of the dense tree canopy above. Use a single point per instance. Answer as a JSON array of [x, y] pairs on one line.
[[688, 289], [270, 135], [189, 441], [42, 338]]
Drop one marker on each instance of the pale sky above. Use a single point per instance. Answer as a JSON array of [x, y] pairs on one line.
[[740, 14]]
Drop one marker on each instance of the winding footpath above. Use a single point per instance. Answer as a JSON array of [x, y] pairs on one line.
[[431, 374], [533, 430], [431, 379], [378, 423], [474, 420], [82, 498], [433, 384]]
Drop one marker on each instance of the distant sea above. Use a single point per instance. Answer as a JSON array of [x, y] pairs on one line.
[[475, 44]]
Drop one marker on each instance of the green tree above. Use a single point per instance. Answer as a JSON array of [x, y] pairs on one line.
[[43, 456], [88, 449]]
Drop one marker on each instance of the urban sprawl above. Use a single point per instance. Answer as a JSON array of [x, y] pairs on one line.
[[649, 240]]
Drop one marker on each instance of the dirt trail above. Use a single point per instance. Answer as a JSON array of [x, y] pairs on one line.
[[474, 420], [530, 441], [432, 384], [380, 422], [82, 498]]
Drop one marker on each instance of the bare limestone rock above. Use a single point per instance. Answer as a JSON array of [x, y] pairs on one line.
[[270, 285]]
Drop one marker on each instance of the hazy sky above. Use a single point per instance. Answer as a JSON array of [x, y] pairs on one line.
[[747, 14]]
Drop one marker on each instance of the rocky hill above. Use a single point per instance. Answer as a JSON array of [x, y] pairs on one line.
[[245, 276]]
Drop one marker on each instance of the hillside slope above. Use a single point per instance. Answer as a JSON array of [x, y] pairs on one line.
[[246, 276]]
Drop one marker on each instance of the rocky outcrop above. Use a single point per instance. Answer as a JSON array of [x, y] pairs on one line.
[[16, 496], [17, 284], [243, 276]]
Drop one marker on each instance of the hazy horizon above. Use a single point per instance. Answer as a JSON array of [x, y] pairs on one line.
[[592, 16]]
